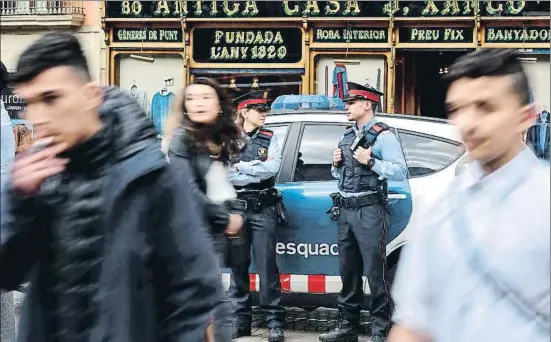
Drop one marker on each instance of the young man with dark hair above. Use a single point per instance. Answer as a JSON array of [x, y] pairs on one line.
[[95, 219], [480, 269]]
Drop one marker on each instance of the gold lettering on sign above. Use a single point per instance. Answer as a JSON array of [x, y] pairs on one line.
[[164, 35], [451, 7], [248, 45], [351, 35], [288, 10], [162, 8], [230, 12], [430, 8], [250, 8], [449, 34], [332, 7], [541, 35], [311, 8], [352, 7]]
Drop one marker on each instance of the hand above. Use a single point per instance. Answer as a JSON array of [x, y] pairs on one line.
[[235, 223], [337, 157], [362, 155], [31, 169]]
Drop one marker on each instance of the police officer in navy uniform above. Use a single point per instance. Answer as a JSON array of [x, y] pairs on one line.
[[253, 175], [367, 156]]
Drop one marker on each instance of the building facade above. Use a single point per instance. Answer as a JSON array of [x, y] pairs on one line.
[[401, 48], [22, 22]]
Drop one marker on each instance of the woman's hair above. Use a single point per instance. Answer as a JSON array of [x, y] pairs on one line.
[[224, 133], [23, 138]]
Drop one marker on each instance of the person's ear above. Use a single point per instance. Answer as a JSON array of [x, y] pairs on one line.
[[93, 95], [527, 117]]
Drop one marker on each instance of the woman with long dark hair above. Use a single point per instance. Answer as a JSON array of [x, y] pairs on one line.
[[204, 137]]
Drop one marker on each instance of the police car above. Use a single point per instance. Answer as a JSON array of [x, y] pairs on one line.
[[310, 128]]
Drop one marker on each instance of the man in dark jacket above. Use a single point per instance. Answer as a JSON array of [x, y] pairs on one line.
[[94, 218]]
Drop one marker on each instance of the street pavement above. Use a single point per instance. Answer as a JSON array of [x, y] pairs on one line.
[[290, 336]]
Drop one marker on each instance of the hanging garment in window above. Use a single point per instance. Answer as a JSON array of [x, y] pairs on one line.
[[339, 81], [160, 109], [141, 97]]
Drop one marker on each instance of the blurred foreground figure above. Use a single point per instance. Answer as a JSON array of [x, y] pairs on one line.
[[480, 269], [7, 310], [95, 219]]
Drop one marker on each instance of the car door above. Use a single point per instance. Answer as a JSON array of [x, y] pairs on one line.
[[433, 163], [308, 243]]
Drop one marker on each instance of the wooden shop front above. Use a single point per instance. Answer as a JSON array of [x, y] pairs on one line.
[[310, 47]]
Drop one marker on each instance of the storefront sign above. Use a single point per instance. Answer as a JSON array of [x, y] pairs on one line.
[[350, 8], [436, 35], [278, 45], [350, 35], [14, 105], [517, 35], [148, 35]]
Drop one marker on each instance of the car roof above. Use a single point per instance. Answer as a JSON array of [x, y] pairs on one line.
[[433, 126]]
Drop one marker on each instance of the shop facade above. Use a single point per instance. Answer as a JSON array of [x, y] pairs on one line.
[[401, 48], [23, 22]]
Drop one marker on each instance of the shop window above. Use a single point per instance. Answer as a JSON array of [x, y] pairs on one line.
[[153, 81], [333, 71], [276, 85]]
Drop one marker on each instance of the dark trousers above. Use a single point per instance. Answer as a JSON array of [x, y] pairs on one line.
[[362, 248], [260, 233]]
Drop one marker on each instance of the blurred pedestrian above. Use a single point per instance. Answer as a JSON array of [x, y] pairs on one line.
[[480, 269], [95, 218], [203, 139], [7, 310]]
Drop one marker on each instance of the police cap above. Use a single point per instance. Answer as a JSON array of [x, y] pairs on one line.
[[254, 100], [360, 92]]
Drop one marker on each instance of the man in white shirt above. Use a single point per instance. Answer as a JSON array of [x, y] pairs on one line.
[[480, 269]]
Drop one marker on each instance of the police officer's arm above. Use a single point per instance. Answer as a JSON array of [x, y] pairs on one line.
[[391, 165], [264, 169], [336, 171]]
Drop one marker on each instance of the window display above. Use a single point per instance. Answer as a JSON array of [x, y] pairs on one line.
[[153, 82], [238, 85], [334, 71]]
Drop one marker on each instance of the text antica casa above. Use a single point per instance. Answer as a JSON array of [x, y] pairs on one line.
[[248, 45]]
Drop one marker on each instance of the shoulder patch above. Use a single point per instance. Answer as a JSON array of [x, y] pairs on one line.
[[266, 132]]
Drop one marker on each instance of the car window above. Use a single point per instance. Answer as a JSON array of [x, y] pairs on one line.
[[316, 151], [280, 131], [427, 154]]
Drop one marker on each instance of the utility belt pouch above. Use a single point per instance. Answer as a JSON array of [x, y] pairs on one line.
[[280, 209]]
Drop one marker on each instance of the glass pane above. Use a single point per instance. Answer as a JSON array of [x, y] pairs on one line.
[[153, 83], [333, 71], [316, 151], [276, 85], [280, 131], [426, 155]]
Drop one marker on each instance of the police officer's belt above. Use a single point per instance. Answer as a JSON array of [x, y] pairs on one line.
[[266, 197], [236, 204], [355, 202]]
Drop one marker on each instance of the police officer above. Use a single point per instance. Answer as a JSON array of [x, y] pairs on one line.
[[253, 175], [367, 156]]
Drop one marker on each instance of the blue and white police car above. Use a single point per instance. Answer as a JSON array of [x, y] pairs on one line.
[[310, 127]]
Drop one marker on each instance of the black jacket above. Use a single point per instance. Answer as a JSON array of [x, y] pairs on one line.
[[159, 279], [196, 162]]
